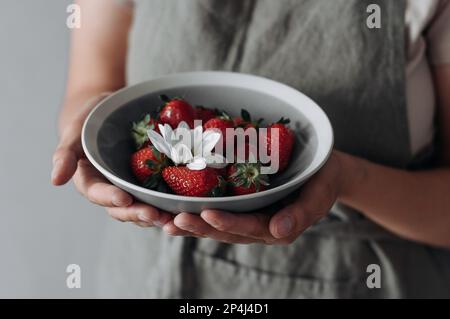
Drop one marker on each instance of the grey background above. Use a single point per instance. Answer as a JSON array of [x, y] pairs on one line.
[[42, 228]]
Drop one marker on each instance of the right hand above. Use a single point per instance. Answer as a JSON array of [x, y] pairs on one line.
[[69, 161]]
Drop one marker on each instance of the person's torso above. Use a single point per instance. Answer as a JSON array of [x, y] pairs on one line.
[[356, 74]]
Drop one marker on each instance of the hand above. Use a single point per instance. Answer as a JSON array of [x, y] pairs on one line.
[[69, 161], [311, 204]]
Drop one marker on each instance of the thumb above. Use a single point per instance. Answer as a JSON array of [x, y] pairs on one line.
[[314, 202], [69, 150], [66, 156]]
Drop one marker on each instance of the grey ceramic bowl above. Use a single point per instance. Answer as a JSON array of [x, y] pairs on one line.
[[107, 143]]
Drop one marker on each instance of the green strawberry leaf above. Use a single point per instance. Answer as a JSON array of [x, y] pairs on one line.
[[156, 153], [284, 121], [246, 116], [220, 189], [164, 98], [225, 116], [163, 187], [152, 181], [151, 164]]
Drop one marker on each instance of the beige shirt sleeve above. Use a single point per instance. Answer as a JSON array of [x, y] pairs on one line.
[[438, 35]]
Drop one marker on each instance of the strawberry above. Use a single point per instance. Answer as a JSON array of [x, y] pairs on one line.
[[239, 121], [139, 131], [220, 124], [147, 164], [246, 178], [286, 139], [204, 114], [175, 111], [222, 171], [245, 120], [204, 183]]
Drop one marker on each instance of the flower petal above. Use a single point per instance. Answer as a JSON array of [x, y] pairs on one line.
[[174, 156], [183, 135], [209, 141], [184, 153], [197, 136], [197, 164], [159, 143], [183, 125]]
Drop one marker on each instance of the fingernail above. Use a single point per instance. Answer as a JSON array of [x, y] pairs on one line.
[[214, 223], [284, 226], [143, 217], [206, 215], [158, 224], [118, 201], [187, 227]]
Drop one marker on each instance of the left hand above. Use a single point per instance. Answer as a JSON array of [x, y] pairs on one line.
[[312, 203]]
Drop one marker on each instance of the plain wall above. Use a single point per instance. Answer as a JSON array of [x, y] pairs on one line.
[[42, 228]]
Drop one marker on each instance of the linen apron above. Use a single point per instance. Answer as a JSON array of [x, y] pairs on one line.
[[357, 75]]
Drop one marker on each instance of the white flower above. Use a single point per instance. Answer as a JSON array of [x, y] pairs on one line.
[[190, 147]]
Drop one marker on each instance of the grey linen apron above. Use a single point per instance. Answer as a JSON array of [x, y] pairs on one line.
[[357, 75]]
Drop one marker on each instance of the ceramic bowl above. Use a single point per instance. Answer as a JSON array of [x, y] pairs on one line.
[[107, 143]]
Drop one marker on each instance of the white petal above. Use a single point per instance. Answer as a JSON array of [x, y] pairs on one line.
[[215, 161], [161, 129], [197, 140], [184, 153], [209, 141], [174, 156], [197, 164], [183, 125], [158, 142], [167, 133], [183, 135]]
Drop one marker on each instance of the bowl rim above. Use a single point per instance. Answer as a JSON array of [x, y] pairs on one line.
[[327, 127]]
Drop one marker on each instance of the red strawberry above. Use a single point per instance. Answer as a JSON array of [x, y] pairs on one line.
[[222, 171], [176, 111], [239, 122], [286, 139], [146, 165], [204, 183], [246, 178], [139, 131], [221, 124], [204, 114], [245, 120]]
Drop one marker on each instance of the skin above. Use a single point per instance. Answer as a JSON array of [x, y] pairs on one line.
[[413, 205]]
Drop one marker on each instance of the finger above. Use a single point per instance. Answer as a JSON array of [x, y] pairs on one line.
[[64, 165], [315, 200], [67, 154], [171, 229], [140, 213], [253, 225], [144, 225], [69, 150], [197, 225], [97, 189]]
